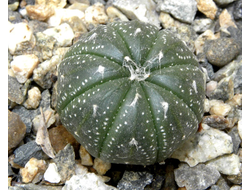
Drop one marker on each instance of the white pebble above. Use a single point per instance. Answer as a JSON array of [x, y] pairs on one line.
[[207, 144], [34, 97], [19, 32], [62, 33], [23, 66], [51, 175]]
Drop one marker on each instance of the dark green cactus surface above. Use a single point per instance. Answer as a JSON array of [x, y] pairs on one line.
[[130, 93]]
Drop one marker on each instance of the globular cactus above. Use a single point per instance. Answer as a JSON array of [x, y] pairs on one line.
[[130, 93]]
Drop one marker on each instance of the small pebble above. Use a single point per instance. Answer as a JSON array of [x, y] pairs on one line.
[[224, 89], [80, 169], [134, 180], [42, 73], [201, 25], [240, 128], [27, 151], [39, 12], [88, 181], [86, 159], [227, 164], [208, 8], [207, 144], [219, 108], [113, 13], [51, 174], [79, 6], [15, 93], [16, 130], [221, 51], [95, 15], [62, 33], [198, 177], [49, 116], [61, 14], [183, 10], [211, 87], [65, 162], [237, 13], [19, 33], [236, 101], [236, 187], [143, 10], [223, 2], [31, 169], [216, 121], [226, 20], [23, 66], [228, 70], [166, 20], [34, 97], [60, 137], [200, 41], [100, 166]]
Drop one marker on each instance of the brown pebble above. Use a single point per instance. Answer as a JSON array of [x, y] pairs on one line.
[[16, 130], [216, 121], [60, 137], [31, 169], [40, 12]]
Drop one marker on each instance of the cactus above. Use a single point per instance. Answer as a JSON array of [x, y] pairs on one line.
[[130, 93]]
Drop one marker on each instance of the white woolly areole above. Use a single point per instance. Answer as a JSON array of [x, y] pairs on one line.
[[137, 73]]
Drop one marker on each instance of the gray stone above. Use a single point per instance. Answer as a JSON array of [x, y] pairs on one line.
[[45, 45], [235, 138], [207, 144], [201, 25], [223, 2], [198, 177], [134, 180], [233, 70], [228, 164], [143, 10], [236, 187], [97, 1], [32, 186], [238, 80], [228, 70], [26, 116], [87, 181], [15, 93], [209, 69], [216, 121], [42, 74], [224, 90], [169, 182], [45, 101], [220, 185], [65, 162], [14, 16], [236, 33], [62, 33], [27, 151], [183, 10], [221, 51], [237, 13], [37, 26]]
